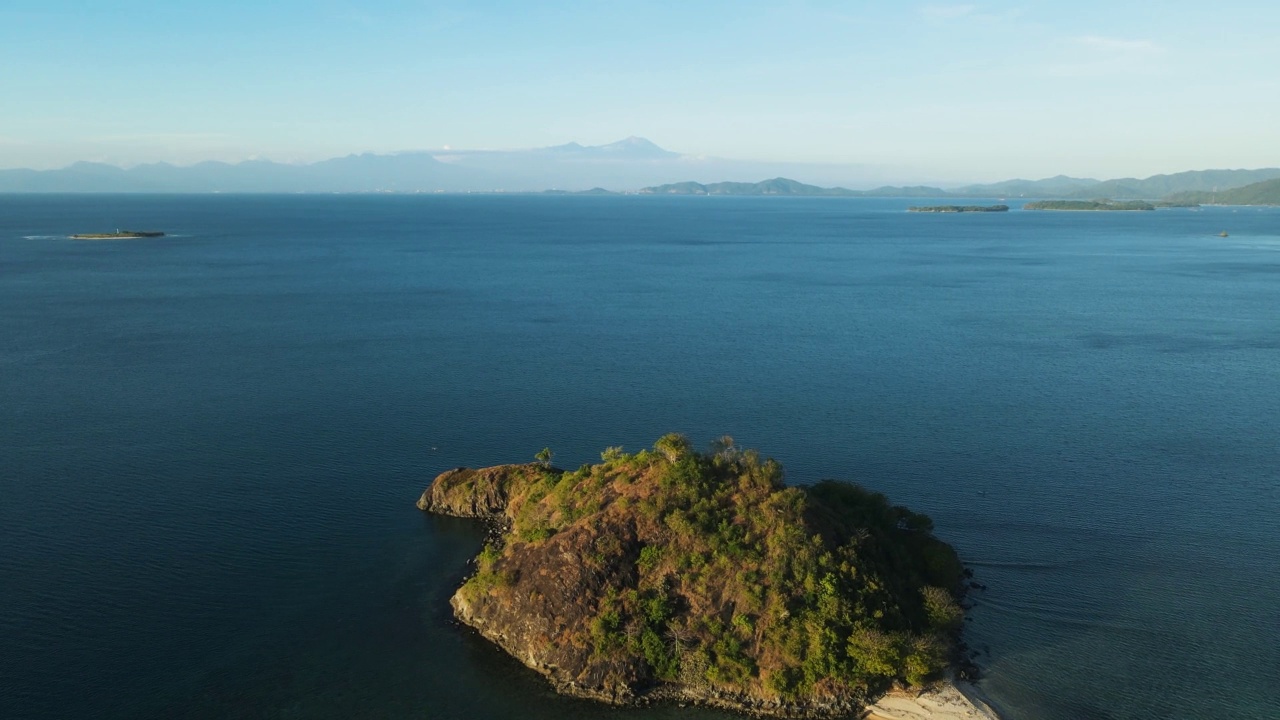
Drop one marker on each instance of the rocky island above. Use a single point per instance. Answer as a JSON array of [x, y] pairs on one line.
[[701, 577], [958, 208], [119, 235], [1089, 205]]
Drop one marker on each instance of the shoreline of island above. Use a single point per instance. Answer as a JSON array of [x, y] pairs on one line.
[[118, 235], [957, 208], [1104, 205], [950, 700], [637, 581]]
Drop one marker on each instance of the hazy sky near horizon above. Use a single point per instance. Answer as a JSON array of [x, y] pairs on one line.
[[931, 91]]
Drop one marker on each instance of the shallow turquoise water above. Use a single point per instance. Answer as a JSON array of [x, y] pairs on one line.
[[213, 441]]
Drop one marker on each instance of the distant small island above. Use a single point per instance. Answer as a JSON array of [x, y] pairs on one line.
[[785, 187], [701, 577], [592, 191], [119, 235], [958, 208], [1089, 205]]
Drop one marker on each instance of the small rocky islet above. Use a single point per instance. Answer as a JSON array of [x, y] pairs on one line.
[[701, 577], [118, 235], [957, 208]]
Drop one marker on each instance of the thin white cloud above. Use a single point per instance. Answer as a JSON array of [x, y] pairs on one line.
[[1118, 45], [938, 12], [158, 137], [1008, 19], [1088, 56]]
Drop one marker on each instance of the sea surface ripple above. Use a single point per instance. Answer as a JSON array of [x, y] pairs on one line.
[[212, 441]]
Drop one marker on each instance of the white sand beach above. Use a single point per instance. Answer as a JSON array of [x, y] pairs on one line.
[[948, 701]]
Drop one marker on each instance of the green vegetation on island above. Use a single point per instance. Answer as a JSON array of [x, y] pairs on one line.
[[670, 573], [958, 208], [1125, 205]]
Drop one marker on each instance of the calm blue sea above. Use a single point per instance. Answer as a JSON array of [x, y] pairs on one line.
[[211, 443]]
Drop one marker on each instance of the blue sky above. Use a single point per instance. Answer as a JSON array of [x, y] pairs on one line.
[[934, 91]]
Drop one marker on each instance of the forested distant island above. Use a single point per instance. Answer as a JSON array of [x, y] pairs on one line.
[[592, 191], [958, 208], [1089, 205], [671, 573], [787, 187]]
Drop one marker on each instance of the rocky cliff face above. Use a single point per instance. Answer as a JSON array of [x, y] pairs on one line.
[[464, 492], [675, 574], [541, 609], [543, 612]]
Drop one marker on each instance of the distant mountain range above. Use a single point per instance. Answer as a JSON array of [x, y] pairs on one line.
[[624, 165], [620, 166], [405, 172], [420, 171], [1058, 186], [785, 186], [1266, 192], [1154, 187], [632, 147], [1227, 187]]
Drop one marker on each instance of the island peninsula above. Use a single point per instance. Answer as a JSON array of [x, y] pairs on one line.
[[701, 577]]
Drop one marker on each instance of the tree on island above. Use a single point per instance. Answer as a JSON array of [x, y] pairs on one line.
[[544, 457]]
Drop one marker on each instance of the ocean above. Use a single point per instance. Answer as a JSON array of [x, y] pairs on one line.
[[213, 441]]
